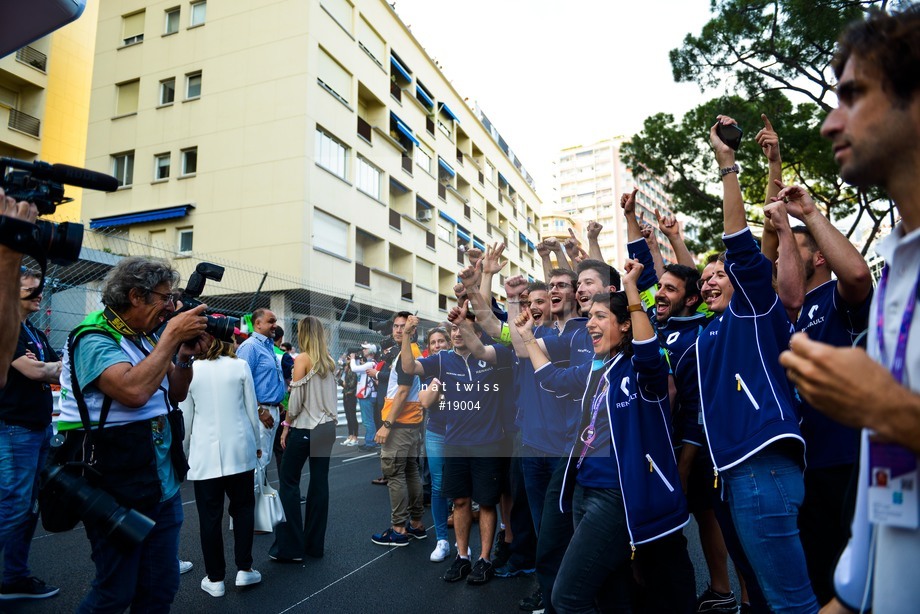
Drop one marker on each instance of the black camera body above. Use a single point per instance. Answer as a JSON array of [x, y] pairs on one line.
[[222, 328]]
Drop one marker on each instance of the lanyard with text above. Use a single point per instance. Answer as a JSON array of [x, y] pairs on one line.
[[893, 497], [35, 340]]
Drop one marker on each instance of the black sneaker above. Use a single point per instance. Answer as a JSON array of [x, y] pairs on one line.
[[419, 533], [711, 602], [532, 603], [481, 573], [459, 569], [27, 588], [501, 551]]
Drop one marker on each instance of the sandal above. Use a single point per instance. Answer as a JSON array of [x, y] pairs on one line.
[[380, 481]]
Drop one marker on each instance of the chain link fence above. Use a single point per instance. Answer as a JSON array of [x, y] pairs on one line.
[[73, 291]]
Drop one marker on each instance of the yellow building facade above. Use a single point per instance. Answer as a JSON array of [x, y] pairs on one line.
[[311, 139]]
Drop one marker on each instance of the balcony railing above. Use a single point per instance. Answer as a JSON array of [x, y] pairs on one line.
[[395, 219], [364, 129], [24, 123], [407, 290], [33, 57]]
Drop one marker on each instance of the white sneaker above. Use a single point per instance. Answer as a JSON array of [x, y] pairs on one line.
[[214, 589], [185, 566], [351, 442], [245, 578], [441, 551]]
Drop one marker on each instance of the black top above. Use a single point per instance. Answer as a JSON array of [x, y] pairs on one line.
[[25, 402]]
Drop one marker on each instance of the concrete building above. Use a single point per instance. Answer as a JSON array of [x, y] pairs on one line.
[[313, 139], [589, 182], [44, 100]]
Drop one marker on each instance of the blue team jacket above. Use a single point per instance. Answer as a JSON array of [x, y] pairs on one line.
[[639, 417], [747, 402]]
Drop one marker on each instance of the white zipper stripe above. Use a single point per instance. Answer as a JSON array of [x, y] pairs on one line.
[[652, 464], [746, 391]]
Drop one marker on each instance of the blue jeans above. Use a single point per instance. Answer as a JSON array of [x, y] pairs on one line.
[[538, 468], [764, 494], [434, 446], [595, 572], [144, 578], [22, 456], [367, 419]]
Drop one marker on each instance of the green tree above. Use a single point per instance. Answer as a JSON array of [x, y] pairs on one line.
[[764, 51]]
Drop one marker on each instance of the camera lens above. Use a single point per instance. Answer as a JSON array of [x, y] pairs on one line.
[[222, 328], [61, 242]]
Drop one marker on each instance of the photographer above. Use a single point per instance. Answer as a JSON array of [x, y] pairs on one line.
[[123, 365], [10, 261]]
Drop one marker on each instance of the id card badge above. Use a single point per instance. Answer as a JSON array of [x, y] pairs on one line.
[[893, 498]]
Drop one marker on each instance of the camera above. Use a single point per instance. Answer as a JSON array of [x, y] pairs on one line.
[[122, 526], [221, 328], [40, 183], [383, 327]]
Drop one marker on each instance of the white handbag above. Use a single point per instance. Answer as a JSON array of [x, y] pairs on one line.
[[269, 511]]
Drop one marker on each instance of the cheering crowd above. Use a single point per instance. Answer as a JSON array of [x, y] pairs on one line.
[[768, 391]]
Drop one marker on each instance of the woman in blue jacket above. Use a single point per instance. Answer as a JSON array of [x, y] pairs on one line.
[[748, 405], [622, 475]]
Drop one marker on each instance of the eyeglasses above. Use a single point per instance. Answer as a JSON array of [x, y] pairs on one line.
[[562, 285], [167, 297]]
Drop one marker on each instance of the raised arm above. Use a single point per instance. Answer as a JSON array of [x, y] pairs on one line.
[[491, 264], [594, 247], [457, 317], [410, 365], [652, 241], [733, 218], [769, 143], [854, 281], [790, 270], [482, 304], [543, 252], [531, 349], [557, 248], [670, 227], [641, 325], [628, 204]]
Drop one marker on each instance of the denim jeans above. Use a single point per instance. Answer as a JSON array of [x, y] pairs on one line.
[[538, 468], [22, 456], [145, 577], [595, 572], [764, 494], [367, 419], [293, 540], [434, 444]]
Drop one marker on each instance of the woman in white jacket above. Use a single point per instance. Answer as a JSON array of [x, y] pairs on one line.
[[222, 434]]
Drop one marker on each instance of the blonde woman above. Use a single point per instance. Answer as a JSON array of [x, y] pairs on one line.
[[222, 438], [308, 433]]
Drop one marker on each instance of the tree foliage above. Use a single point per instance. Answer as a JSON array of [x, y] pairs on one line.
[[763, 52]]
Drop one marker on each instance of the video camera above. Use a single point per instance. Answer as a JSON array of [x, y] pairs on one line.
[[222, 328], [40, 183]]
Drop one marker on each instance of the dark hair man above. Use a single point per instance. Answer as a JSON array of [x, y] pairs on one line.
[[875, 131], [25, 435], [122, 361]]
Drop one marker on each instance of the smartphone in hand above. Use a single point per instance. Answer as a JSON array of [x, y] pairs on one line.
[[730, 135]]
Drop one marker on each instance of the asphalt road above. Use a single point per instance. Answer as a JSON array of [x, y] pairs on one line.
[[355, 575]]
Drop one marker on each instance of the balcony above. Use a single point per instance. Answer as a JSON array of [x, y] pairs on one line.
[[364, 129], [24, 123], [33, 57]]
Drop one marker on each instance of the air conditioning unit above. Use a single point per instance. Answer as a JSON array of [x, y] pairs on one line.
[[424, 215]]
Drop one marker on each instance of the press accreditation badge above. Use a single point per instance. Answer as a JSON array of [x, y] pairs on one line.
[[893, 498]]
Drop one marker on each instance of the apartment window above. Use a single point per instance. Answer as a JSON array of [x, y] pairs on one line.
[[186, 236], [198, 10], [445, 231], [123, 168], [341, 11], [9, 98], [161, 166], [193, 86], [331, 154], [371, 43], [367, 178], [330, 233], [172, 21], [190, 161], [127, 97], [167, 91], [333, 78], [132, 28], [423, 159]]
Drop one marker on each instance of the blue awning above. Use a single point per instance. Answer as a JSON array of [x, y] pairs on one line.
[[502, 179], [530, 244], [479, 244], [424, 203], [425, 97], [446, 166], [406, 131], [448, 218], [522, 237], [446, 111], [463, 234], [110, 221], [400, 69]]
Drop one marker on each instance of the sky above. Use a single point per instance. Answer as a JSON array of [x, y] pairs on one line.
[[554, 74]]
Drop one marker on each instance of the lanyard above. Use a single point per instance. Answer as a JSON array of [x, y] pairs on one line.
[[590, 433], [900, 352], [38, 344]]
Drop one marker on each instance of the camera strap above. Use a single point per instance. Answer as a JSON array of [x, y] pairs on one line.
[[77, 392]]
